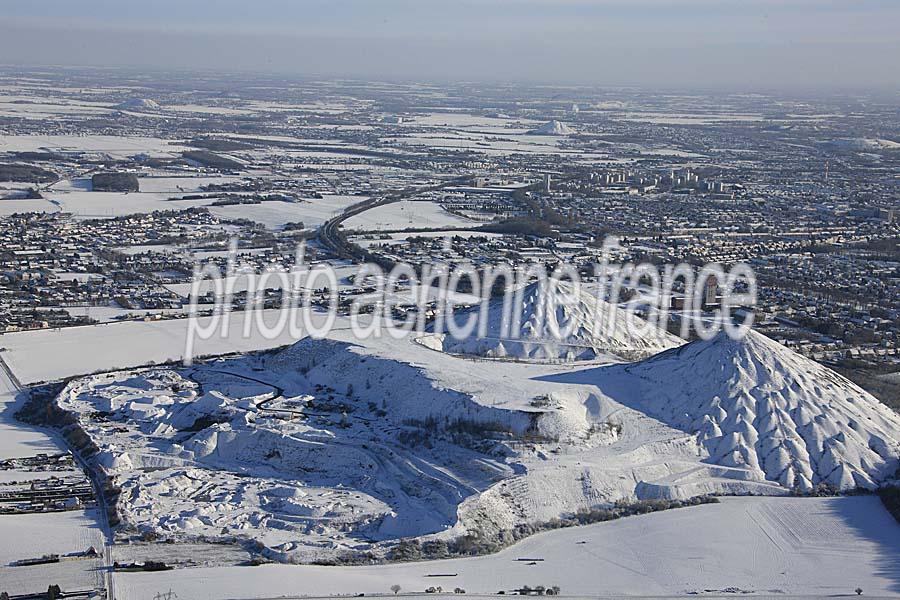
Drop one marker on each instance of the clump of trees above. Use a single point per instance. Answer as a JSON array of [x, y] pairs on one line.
[[114, 182], [411, 550], [538, 590], [23, 172], [522, 226], [890, 497], [219, 144], [478, 543], [474, 435], [210, 159]]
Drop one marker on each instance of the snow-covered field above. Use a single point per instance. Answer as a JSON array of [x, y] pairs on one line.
[[156, 195], [37, 108], [70, 575], [813, 547], [51, 354], [113, 146], [11, 206], [406, 214], [18, 440], [176, 184], [687, 118], [495, 136], [90, 205], [53, 533], [312, 211], [104, 205]]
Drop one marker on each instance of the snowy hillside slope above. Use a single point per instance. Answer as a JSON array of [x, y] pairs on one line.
[[553, 323], [407, 390], [757, 405]]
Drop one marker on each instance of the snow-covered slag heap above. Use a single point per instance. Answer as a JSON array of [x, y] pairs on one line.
[[757, 405], [553, 127], [552, 322]]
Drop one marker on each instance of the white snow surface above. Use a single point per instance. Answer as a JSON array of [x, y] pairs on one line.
[[39, 534], [773, 547], [403, 215]]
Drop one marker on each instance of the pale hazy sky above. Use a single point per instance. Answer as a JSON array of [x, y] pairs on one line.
[[744, 43]]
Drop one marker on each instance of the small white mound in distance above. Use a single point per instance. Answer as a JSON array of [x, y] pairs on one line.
[[551, 322], [138, 104], [864, 144], [552, 128], [758, 405]]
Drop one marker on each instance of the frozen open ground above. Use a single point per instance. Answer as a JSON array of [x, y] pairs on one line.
[[113, 146], [781, 546], [311, 211], [406, 215], [53, 533], [50, 354]]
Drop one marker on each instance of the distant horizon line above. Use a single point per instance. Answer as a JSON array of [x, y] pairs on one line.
[[9, 69]]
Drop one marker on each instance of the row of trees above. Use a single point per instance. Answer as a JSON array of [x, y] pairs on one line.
[[432, 590], [890, 497], [53, 593], [478, 543]]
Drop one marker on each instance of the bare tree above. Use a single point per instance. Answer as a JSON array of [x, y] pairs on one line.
[[395, 588]]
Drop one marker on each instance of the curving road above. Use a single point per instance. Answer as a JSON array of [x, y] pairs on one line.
[[329, 234]]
